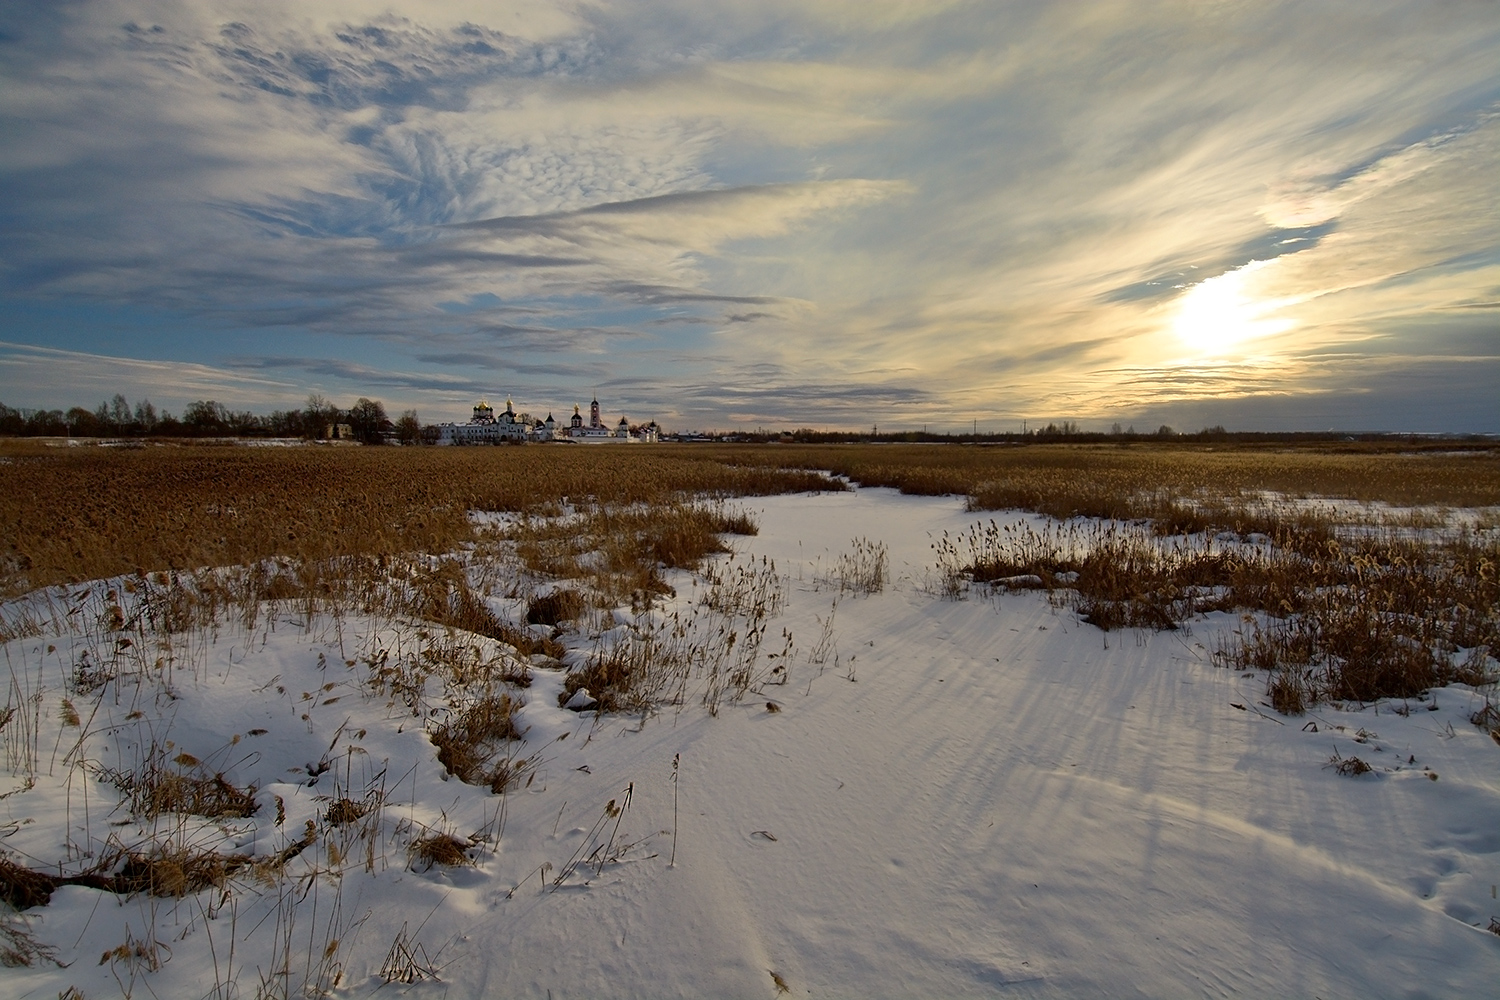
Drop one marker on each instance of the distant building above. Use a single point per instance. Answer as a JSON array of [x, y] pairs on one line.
[[594, 430], [484, 427], [488, 427]]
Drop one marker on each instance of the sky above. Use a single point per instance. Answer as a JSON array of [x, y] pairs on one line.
[[823, 213]]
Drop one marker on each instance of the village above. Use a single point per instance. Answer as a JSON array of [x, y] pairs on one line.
[[508, 426]]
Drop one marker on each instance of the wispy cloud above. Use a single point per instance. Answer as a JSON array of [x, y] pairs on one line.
[[64, 378], [826, 212]]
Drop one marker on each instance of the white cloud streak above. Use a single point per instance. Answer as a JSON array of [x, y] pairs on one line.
[[953, 208]]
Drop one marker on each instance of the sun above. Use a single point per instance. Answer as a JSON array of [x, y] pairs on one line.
[[1220, 314]]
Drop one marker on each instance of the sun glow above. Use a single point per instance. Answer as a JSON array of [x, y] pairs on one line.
[[1220, 314]]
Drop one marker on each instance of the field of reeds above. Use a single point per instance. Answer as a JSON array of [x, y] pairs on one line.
[[72, 514], [1372, 568], [1140, 479], [82, 513], [450, 580], [1362, 571]]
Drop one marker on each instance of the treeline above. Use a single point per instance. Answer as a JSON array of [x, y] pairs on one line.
[[1071, 433], [366, 421]]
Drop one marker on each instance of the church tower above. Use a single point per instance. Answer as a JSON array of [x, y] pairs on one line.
[[594, 420]]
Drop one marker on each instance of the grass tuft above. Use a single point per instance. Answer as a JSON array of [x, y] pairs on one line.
[[556, 608], [469, 742], [444, 849], [343, 811], [156, 786], [1348, 766]]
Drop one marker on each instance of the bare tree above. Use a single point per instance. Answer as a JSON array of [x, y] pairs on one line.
[[409, 428], [318, 415], [366, 417]]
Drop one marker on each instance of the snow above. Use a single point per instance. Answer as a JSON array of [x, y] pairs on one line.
[[964, 798]]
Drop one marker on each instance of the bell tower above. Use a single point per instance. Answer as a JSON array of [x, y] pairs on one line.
[[594, 420]]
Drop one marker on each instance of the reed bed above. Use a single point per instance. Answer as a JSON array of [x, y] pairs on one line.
[[1375, 615], [85, 513], [1156, 481]]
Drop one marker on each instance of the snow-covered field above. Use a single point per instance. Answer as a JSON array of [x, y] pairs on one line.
[[963, 798]]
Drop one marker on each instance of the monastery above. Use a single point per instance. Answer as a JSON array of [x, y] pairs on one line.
[[485, 427]]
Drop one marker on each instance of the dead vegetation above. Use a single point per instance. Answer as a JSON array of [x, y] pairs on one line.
[[1349, 767], [556, 608], [717, 642], [863, 569], [1116, 575], [443, 595], [619, 552], [87, 513], [344, 810], [1153, 480], [443, 613], [1333, 615], [469, 742], [18, 948], [170, 871], [160, 784], [435, 848], [1488, 719]]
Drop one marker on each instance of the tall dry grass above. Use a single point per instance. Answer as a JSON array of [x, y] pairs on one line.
[[72, 514], [1148, 479], [621, 550], [1372, 615]]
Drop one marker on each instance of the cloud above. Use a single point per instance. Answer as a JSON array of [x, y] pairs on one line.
[[685, 222], [1005, 203], [59, 379]]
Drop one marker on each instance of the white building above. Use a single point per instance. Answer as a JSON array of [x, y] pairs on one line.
[[486, 428], [594, 430]]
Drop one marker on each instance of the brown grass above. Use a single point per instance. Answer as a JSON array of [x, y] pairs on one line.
[[1288, 690], [864, 569], [469, 743], [442, 595], [73, 514], [343, 811], [620, 551], [1488, 719], [1349, 767], [1107, 480], [1118, 576], [615, 677], [1378, 614], [20, 949], [167, 871], [439, 849], [554, 609], [1373, 619], [175, 873], [180, 785]]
